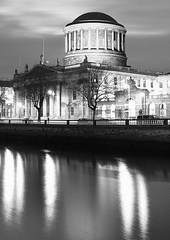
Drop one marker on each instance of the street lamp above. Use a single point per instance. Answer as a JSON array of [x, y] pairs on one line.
[[51, 92]]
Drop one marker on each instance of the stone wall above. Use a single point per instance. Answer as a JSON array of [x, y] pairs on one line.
[[132, 138]]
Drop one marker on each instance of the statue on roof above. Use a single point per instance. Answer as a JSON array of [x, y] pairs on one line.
[[26, 68], [41, 59], [85, 59], [58, 62]]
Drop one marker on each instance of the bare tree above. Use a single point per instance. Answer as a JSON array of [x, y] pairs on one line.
[[36, 88], [96, 87]]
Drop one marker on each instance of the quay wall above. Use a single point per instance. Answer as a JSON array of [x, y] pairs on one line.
[[130, 138]]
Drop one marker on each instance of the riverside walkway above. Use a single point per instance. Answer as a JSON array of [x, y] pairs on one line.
[[109, 135], [110, 122]]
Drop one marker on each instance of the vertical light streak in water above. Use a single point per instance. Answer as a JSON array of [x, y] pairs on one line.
[[0, 160], [126, 192], [50, 189], [20, 182], [142, 205], [8, 185]]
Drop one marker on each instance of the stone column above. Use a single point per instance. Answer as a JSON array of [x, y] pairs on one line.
[[32, 109], [51, 106], [81, 39], [105, 39], [124, 42], [26, 111], [74, 40], [97, 39], [69, 42], [89, 40], [66, 43], [112, 40], [57, 102], [44, 108], [118, 41]]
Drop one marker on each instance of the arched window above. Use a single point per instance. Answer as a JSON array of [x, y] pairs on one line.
[[9, 112], [162, 108], [152, 109]]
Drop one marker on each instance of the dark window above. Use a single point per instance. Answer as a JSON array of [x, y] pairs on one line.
[[144, 83], [115, 81], [161, 84], [72, 110], [74, 95], [138, 82]]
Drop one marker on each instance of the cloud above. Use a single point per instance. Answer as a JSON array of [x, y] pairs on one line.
[[23, 23], [36, 17], [32, 18]]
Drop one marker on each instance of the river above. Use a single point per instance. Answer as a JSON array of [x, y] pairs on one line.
[[50, 194]]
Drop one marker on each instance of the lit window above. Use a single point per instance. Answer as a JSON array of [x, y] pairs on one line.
[[168, 84]]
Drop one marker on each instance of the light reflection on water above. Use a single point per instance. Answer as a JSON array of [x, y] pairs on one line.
[[13, 188], [134, 200], [143, 205], [51, 177], [70, 196], [127, 198], [8, 186]]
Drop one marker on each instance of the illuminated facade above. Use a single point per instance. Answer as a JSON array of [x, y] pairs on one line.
[[6, 99], [97, 40]]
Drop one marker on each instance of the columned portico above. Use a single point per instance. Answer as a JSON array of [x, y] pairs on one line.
[[71, 43]]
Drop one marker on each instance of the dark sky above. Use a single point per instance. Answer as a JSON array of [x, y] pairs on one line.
[[25, 23]]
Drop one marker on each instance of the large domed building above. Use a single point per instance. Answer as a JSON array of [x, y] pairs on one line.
[[95, 40], [97, 36]]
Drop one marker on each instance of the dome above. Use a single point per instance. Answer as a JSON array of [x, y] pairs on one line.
[[97, 36], [94, 17]]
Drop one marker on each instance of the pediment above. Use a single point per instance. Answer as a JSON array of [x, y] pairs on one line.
[[39, 70]]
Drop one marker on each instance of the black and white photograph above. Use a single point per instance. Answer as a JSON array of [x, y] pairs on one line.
[[84, 120]]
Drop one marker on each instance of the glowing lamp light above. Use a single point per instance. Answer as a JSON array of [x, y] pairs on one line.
[[51, 92]]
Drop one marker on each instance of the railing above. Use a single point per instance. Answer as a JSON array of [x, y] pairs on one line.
[[110, 122]]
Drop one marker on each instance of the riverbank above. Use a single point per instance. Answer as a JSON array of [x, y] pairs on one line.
[[106, 138]]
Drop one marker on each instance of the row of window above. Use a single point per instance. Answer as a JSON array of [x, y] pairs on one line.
[[142, 83]]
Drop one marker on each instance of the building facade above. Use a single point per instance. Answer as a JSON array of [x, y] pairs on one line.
[[6, 99], [96, 40]]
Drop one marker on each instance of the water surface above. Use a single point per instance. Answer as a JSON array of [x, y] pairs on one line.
[[47, 194]]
